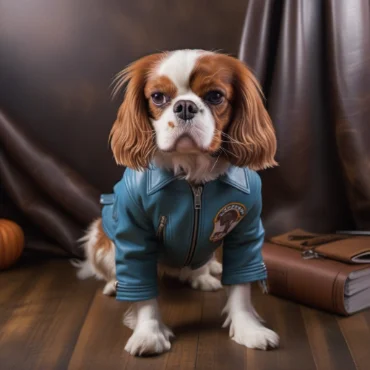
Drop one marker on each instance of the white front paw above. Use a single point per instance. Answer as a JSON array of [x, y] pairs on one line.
[[205, 282], [110, 288], [260, 338], [130, 318], [247, 331], [149, 337], [215, 267]]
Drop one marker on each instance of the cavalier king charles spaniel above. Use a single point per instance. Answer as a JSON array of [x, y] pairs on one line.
[[194, 113]]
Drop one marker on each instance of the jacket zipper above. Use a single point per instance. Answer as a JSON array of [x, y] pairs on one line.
[[197, 196], [161, 228]]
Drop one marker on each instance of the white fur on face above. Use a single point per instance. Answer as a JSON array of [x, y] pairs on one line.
[[178, 66]]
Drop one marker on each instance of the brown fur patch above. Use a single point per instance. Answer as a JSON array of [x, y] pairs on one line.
[[171, 124], [243, 126], [161, 84], [132, 139], [103, 246], [213, 73], [102, 240]]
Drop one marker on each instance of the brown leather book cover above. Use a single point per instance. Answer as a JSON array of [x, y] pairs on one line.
[[318, 282], [345, 248]]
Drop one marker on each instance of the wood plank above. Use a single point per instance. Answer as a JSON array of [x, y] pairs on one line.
[[356, 332], [15, 283], [285, 318], [102, 338], [366, 315], [328, 346], [105, 316], [43, 327], [263, 360], [50, 320], [152, 362], [295, 347], [184, 319], [181, 309], [215, 349]]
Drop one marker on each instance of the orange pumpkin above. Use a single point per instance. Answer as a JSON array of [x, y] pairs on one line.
[[11, 243]]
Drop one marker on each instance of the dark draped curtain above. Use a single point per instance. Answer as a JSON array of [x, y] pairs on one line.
[[57, 60], [312, 59]]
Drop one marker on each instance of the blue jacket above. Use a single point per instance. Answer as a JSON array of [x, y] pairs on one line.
[[154, 216]]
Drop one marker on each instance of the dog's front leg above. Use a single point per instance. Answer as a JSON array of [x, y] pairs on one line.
[[150, 335], [245, 325]]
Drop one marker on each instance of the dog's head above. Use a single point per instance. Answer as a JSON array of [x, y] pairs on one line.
[[192, 101]]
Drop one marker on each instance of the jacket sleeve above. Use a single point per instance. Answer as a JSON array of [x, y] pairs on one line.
[[136, 249], [242, 251]]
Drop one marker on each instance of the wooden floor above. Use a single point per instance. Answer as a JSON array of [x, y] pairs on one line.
[[50, 320]]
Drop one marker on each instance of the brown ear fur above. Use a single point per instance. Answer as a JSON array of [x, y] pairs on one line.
[[252, 136], [131, 137]]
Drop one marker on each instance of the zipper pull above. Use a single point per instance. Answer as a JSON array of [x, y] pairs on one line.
[[309, 254], [197, 197], [162, 225]]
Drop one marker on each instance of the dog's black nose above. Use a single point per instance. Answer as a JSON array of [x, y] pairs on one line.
[[185, 109]]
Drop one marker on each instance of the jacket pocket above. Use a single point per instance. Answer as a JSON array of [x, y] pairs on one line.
[[109, 201], [162, 229]]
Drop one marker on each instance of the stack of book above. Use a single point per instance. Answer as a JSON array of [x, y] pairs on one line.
[[329, 272]]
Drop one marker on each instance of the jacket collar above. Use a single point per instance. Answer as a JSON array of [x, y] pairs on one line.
[[158, 178]]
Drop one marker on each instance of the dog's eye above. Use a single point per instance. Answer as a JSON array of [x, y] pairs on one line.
[[159, 99], [214, 97]]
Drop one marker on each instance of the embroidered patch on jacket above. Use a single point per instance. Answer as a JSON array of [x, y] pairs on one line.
[[226, 219]]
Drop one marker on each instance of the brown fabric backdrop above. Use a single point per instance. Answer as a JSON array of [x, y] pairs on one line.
[[312, 58], [58, 59]]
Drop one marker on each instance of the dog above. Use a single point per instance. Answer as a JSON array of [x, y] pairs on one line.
[[191, 132]]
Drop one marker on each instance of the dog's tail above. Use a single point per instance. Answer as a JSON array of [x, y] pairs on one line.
[[84, 268], [99, 252]]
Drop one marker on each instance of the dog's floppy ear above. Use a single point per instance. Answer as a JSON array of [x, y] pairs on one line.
[[131, 137], [252, 137]]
